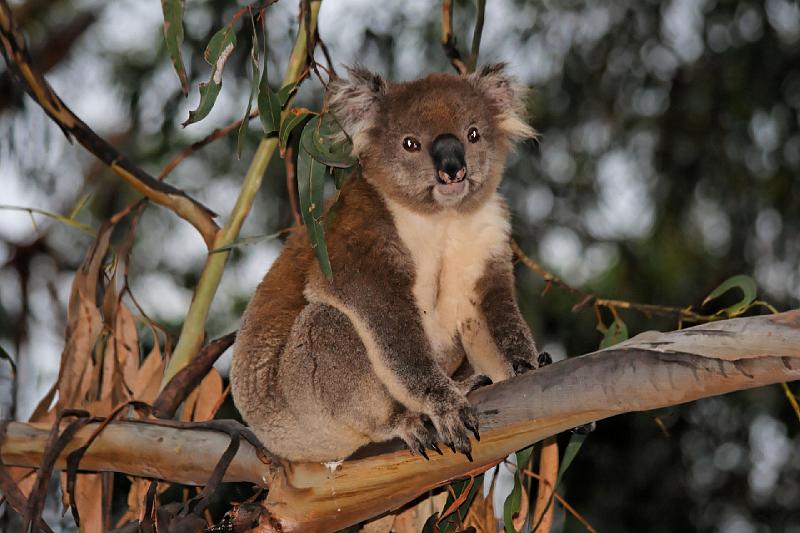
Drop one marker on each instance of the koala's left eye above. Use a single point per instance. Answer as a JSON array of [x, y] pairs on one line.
[[472, 135], [411, 144]]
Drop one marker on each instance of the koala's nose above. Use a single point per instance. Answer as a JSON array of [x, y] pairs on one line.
[[447, 152]]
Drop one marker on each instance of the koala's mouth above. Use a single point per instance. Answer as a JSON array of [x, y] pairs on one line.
[[453, 188]]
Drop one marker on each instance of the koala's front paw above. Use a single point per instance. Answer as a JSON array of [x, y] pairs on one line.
[[521, 365], [453, 423]]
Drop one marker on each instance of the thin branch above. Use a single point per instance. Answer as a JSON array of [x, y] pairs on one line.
[[291, 184], [449, 41], [589, 299], [543, 482], [476, 35], [33, 81], [218, 133]]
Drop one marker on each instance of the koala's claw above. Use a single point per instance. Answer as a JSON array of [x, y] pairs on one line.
[[521, 366], [545, 359], [416, 435], [436, 448], [473, 429], [453, 426]]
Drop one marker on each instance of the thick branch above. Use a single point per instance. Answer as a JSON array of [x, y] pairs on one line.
[[13, 47], [650, 371]]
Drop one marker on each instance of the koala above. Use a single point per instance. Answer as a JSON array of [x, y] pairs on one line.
[[422, 281]]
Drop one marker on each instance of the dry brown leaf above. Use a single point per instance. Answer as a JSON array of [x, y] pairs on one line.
[[136, 501], [127, 343], [148, 378], [83, 330], [188, 405], [88, 500], [208, 394]]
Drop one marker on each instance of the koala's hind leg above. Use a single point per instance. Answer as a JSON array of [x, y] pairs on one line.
[[335, 396]]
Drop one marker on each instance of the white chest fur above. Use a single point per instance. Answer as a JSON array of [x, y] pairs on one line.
[[450, 251]]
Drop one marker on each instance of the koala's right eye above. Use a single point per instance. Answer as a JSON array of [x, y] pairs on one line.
[[411, 144]]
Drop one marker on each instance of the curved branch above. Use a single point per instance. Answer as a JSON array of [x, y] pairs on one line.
[[650, 371], [18, 60]]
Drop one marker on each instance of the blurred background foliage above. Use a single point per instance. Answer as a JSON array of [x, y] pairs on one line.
[[669, 160]]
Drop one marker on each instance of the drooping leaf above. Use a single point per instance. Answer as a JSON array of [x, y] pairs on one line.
[[244, 241], [217, 52], [286, 92], [293, 118], [463, 493], [744, 283], [512, 505], [310, 185], [148, 377], [253, 91], [327, 146], [173, 38], [269, 103], [616, 333]]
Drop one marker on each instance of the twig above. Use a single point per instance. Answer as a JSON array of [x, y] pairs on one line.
[[33, 81], [194, 147], [291, 184], [561, 500], [476, 35], [190, 376], [448, 40], [587, 299]]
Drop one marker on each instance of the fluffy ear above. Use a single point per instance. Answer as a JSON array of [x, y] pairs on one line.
[[354, 102], [508, 96]]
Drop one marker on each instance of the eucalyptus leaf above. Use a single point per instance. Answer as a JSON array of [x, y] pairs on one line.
[[310, 186], [173, 38], [217, 52], [742, 282], [512, 505], [327, 146], [253, 91], [293, 118], [616, 333], [246, 241]]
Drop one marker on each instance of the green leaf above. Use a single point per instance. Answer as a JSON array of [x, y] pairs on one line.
[[293, 118], [253, 90], [616, 333], [741, 282], [217, 53], [326, 144], [286, 92], [310, 185], [245, 241], [512, 504], [67, 221], [449, 523], [340, 176], [173, 38]]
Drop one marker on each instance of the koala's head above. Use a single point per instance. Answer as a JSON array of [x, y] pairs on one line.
[[435, 143]]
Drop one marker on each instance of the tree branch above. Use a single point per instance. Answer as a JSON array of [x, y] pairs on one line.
[[18, 60], [650, 371]]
